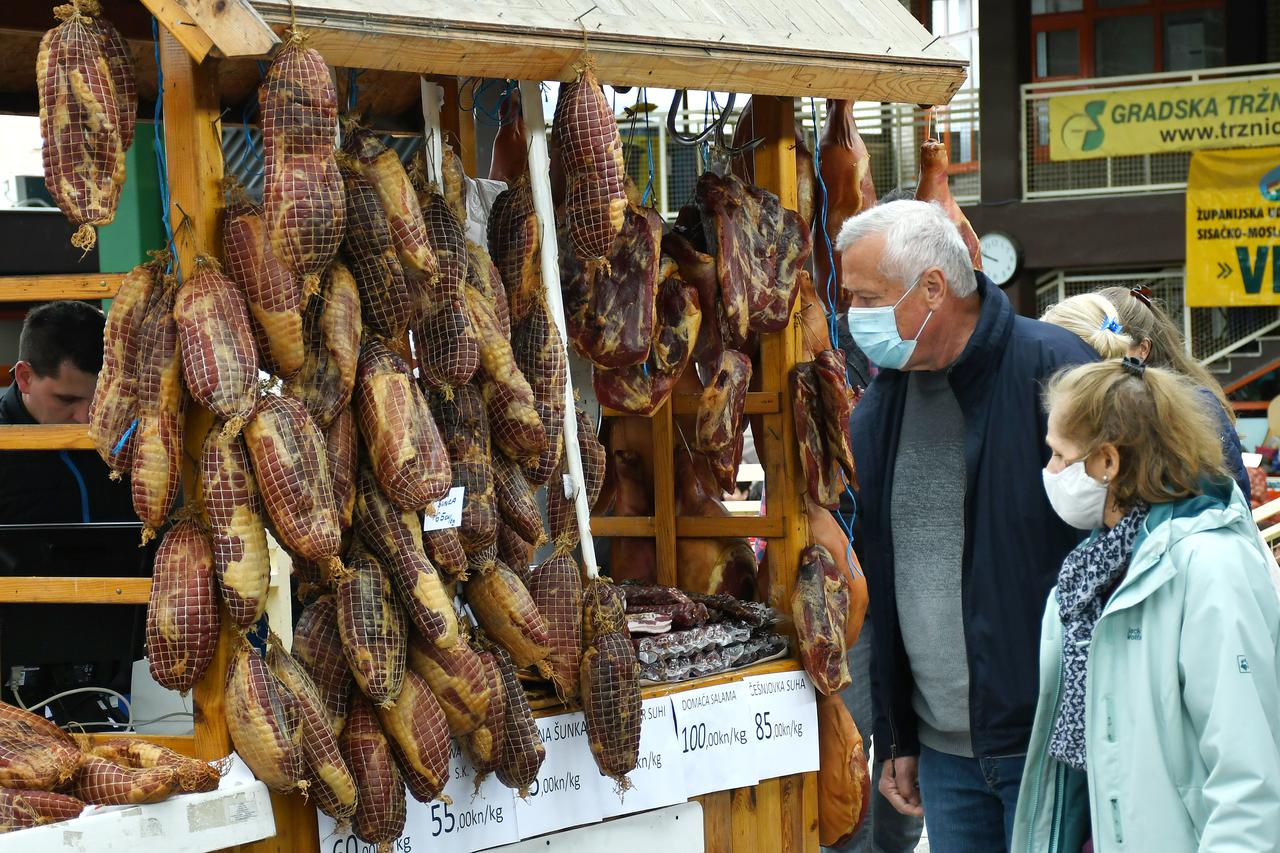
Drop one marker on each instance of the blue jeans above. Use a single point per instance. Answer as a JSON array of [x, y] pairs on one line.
[[969, 803], [884, 830]]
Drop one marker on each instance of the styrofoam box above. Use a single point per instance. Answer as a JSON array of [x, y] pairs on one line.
[[237, 813]]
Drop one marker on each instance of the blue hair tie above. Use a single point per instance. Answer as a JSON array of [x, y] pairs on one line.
[[1111, 324]]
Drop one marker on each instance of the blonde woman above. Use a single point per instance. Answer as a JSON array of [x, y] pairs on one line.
[[1158, 724], [1158, 343], [1094, 320]]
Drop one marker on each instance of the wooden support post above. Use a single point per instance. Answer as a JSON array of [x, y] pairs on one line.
[[193, 149], [459, 126]]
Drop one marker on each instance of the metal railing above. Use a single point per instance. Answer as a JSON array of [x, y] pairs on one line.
[[1212, 334], [1043, 178]]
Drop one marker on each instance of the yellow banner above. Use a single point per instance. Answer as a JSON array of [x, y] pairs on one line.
[[1233, 228], [1116, 122]]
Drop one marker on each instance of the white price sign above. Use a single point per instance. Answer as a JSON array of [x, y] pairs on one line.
[[446, 512], [784, 723], [476, 820], [569, 790], [716, 741], [658, 779], [331, 841]]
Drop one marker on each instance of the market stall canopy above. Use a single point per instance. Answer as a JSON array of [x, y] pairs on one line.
[[864, 49]]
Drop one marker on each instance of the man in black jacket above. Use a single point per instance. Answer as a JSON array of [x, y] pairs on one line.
[[960, 543], [59, 356]]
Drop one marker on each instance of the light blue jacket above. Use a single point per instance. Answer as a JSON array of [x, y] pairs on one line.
[[1183, 699]]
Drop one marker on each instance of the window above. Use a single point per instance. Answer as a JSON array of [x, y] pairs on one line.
[[1111, 38]]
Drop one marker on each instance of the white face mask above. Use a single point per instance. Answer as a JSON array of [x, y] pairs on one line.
[[1077, 498]]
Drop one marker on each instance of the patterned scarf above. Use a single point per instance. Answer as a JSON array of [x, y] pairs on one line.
[[1089, 575]]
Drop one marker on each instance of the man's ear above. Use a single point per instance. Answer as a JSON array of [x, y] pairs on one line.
[[934, 283], [23, 374]]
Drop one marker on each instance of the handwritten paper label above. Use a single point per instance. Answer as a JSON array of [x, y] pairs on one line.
[[784, 723], [658, 779], [446, 512], [569, 790], [713, 725]]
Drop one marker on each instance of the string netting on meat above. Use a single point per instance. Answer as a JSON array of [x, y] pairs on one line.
[[373, 628], [381, 808], [386, 307], [612, 680], [556, 589], [539, 353], [463, 423], [240, 559], [561, 512], [219, 356], [120, 64], [331, 332], [299, 102], [306, 213], [293, 478], [423, 753], [80, 123], [317, 646], [486, 745], [449, 242], [513, 244], [591, 147], [516, 502], [523, 753], [342, 453], [445, 551], [514, 551], [182, 617], [105, 783], [483, 276]]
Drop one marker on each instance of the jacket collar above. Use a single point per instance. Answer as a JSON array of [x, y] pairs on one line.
[[12, 410], [990, 335], [1221, 506]]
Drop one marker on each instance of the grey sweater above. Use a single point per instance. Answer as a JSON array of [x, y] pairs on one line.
[[928, 544]]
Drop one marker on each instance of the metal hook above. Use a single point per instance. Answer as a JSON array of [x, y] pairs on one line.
[[682, 96]]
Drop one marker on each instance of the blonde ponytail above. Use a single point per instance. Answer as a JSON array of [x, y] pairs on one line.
[[1094, 320]]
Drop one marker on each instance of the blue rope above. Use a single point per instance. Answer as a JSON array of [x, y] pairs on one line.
[[353, 88], [162, 165], [648, 136]]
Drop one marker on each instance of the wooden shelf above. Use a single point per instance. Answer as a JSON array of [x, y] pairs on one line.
[[38, 590], [762, 527], [48, 288], [45, 437], [758, 403]]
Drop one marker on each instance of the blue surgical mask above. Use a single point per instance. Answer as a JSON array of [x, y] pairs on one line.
[[875, 330]]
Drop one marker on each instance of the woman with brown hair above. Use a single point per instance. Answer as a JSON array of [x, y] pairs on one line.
[[1158, 343], [1158, 724]]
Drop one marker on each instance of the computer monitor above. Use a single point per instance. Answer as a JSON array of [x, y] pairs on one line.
[[48, 648]]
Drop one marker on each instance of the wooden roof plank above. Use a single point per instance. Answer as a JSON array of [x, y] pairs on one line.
[[174, 17], [235, 27]]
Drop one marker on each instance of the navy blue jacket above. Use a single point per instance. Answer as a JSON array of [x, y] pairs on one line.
[[1014, 542]]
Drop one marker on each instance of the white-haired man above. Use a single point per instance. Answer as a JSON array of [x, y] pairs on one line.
[[960, 541]]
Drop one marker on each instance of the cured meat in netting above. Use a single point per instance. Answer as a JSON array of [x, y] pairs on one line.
[[317, 646], [457, 680], [502, 606], [332, 784], [514, 551], [462, 421], [515, 244], [273, 293], [395, 537], [610, 683], [385, 304], [483, 276], [641, 389], [241, 562], [561, 515], [444, 549], [448, 354], [419, 735], [302, 189], [342, 452], [513, 419], [381, 807], [105, 783], [156, 473], [25, 809], [540, 354], [382, 166], [215, 339], [523, 752], [556, 589], [120, 64], [372, 627], [113, 414], [80, 124], [610, 307], [331, 328], [590, 148], [403, 444], [517, 505], [486, 746], [182, 617], [288, 454]]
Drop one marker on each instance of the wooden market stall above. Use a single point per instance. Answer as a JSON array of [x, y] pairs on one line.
[[869, 50]]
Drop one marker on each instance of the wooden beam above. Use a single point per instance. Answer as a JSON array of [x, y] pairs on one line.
[[717, 822], [234, 27], [692, 527], [664, 495], [45, 437], [459, 126], [423, 48], [174, 18], [37, 590], [758, 403], [48, 288], [182, 744]]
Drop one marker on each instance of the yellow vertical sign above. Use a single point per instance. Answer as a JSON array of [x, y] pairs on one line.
[[1233, 228]]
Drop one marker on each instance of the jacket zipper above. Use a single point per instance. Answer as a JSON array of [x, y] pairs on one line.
[[1059, 808], [1035, 796]]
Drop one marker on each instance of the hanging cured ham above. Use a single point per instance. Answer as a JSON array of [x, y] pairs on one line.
[[845, 166], [745, 166], [510, 157], [934, 162]]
